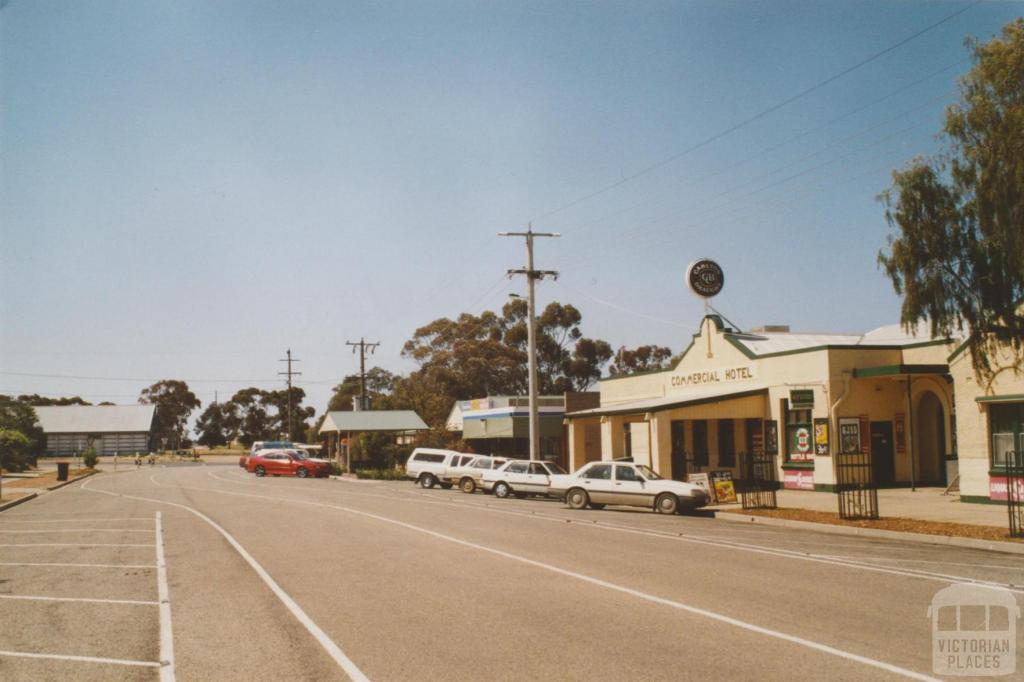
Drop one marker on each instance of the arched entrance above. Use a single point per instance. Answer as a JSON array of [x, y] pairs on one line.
[[930, 434]]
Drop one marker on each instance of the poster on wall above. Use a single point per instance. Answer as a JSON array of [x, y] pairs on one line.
[[800, 443], [771, 437], [849, 435], [725, 490], [899, 427], [821, 437]]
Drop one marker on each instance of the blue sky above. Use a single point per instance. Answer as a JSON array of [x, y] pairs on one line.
[[188, 189]]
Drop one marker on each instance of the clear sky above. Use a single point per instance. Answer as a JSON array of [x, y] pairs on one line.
[[187, 189]]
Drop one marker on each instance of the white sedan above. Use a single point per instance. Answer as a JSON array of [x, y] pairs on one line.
[[599, 483], [468, 476], [521, 478]]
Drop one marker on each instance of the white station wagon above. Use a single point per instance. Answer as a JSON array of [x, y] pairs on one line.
[[469, 476], [520, 478], [430, 466], [597, 484]]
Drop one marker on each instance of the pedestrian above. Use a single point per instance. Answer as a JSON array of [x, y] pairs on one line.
[[115, 461], [138, 461]]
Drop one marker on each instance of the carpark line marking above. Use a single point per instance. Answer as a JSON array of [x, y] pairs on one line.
[[83, 530], [678, 537], [70, 544], [81, 565], [82, 659], [332, 649], [133, 602], [794, 639], [137, 518], [164, 595], [1017, 567]]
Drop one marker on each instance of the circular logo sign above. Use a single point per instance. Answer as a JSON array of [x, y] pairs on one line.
[[705, 277], [803, 439]]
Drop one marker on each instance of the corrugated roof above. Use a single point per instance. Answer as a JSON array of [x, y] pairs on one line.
[[374, 420], [96, 418], [780, 342]]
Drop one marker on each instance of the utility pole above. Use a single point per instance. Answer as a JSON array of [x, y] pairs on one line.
[[289, 374], [531, 277], [363, 347]]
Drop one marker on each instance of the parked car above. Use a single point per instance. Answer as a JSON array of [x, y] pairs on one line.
[[430, 466], [597, 484], [287, 463], [521, 478], [258, 445], [469, 476]]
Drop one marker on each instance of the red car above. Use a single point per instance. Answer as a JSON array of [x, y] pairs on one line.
[[287, 463]]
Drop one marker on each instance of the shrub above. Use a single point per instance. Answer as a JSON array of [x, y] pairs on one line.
[[90, 458], [396, 474], [337, 469], [14, 450]]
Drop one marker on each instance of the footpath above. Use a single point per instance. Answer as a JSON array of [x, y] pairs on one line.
[[923, 515]]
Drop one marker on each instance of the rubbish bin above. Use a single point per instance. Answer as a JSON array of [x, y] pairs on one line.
[[62, 470]]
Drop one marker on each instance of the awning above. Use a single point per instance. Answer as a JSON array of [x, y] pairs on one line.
[[668, 402], [1014, 398], [373, 420], [898, 370]]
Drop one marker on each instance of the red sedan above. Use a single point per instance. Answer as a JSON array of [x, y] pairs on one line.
[[287, 463]]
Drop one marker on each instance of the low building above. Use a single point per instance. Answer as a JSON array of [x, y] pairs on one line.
[[339, 427], [786, 395], [110, 429]]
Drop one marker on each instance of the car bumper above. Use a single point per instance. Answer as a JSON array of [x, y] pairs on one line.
[[693, 502]]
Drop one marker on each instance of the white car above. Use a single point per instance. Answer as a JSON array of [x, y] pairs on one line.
[[468, 476], [430, 466], [599, 483], [521, 478]]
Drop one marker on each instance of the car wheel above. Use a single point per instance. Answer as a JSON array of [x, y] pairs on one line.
[[260, 471], [301, 472], [577, 498], [427, 481], [666, 503], [598, 507], [468, 485], [502, 490], [446, 486]]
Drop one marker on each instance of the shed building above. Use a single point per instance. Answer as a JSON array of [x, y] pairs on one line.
[[111, 429]]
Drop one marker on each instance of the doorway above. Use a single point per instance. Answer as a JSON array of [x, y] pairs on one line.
[[679, 463], [930, 429], [882, 461]]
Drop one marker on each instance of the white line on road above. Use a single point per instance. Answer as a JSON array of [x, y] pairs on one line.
[[132, 602], [62, 518], [82, 530], [817, 646], [79, 565], [720, 543], [332, 649], [82, 659], [69, 544], [166, 632]]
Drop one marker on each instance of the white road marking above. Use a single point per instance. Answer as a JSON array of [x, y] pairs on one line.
[[720, 543], [332, 649], [82, 530], [166, 632], [82, 659], [64, 518], [817, 646], [69, 544], [132, 602], [81, 565]]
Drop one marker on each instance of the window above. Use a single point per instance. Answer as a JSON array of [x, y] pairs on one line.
[[482, 464], [428, 457], [799, 440], [538, 469], [602, 472], [554, 468], [624, 473], [700, 443], [1007, 434], [726, 443], [516, 468]]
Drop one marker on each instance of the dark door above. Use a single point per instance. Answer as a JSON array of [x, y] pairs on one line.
[[882, 462], [678, 450], [700, 443]]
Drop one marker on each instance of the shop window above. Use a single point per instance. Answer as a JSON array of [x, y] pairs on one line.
[[1007, 434], [726, 443], [700, 443], [799, 441]]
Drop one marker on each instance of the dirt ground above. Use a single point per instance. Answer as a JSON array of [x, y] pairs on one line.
[[962, 530], [45, 481]]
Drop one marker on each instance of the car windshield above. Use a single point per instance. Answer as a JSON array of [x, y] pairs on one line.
[[555, 469], [647, 472]]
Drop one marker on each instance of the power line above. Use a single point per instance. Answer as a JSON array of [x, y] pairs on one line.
[[759, 115], [93, 378]]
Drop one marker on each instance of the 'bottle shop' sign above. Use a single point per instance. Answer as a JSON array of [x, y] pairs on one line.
[[705, 277]]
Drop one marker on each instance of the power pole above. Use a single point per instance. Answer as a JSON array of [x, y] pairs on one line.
[[363, 347], [290, 374], [532, 276]]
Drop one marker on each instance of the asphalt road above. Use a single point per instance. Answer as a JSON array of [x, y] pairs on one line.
[[285, 579]]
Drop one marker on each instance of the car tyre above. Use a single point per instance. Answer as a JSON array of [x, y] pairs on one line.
[[577, 498], [468, 485], [260, 471], [502, 490], [666, 503], [427, 481], [301, 472]]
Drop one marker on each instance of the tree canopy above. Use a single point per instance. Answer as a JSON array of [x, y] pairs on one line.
[[957, 257], [174, 403], [640, 359]]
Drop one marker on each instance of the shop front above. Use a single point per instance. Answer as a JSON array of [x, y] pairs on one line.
[[773, 393]]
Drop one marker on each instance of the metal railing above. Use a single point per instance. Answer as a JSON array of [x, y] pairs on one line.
[[758, 481], [855, 486]]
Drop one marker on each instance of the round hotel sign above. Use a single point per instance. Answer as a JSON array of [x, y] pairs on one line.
[[705, 277]]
